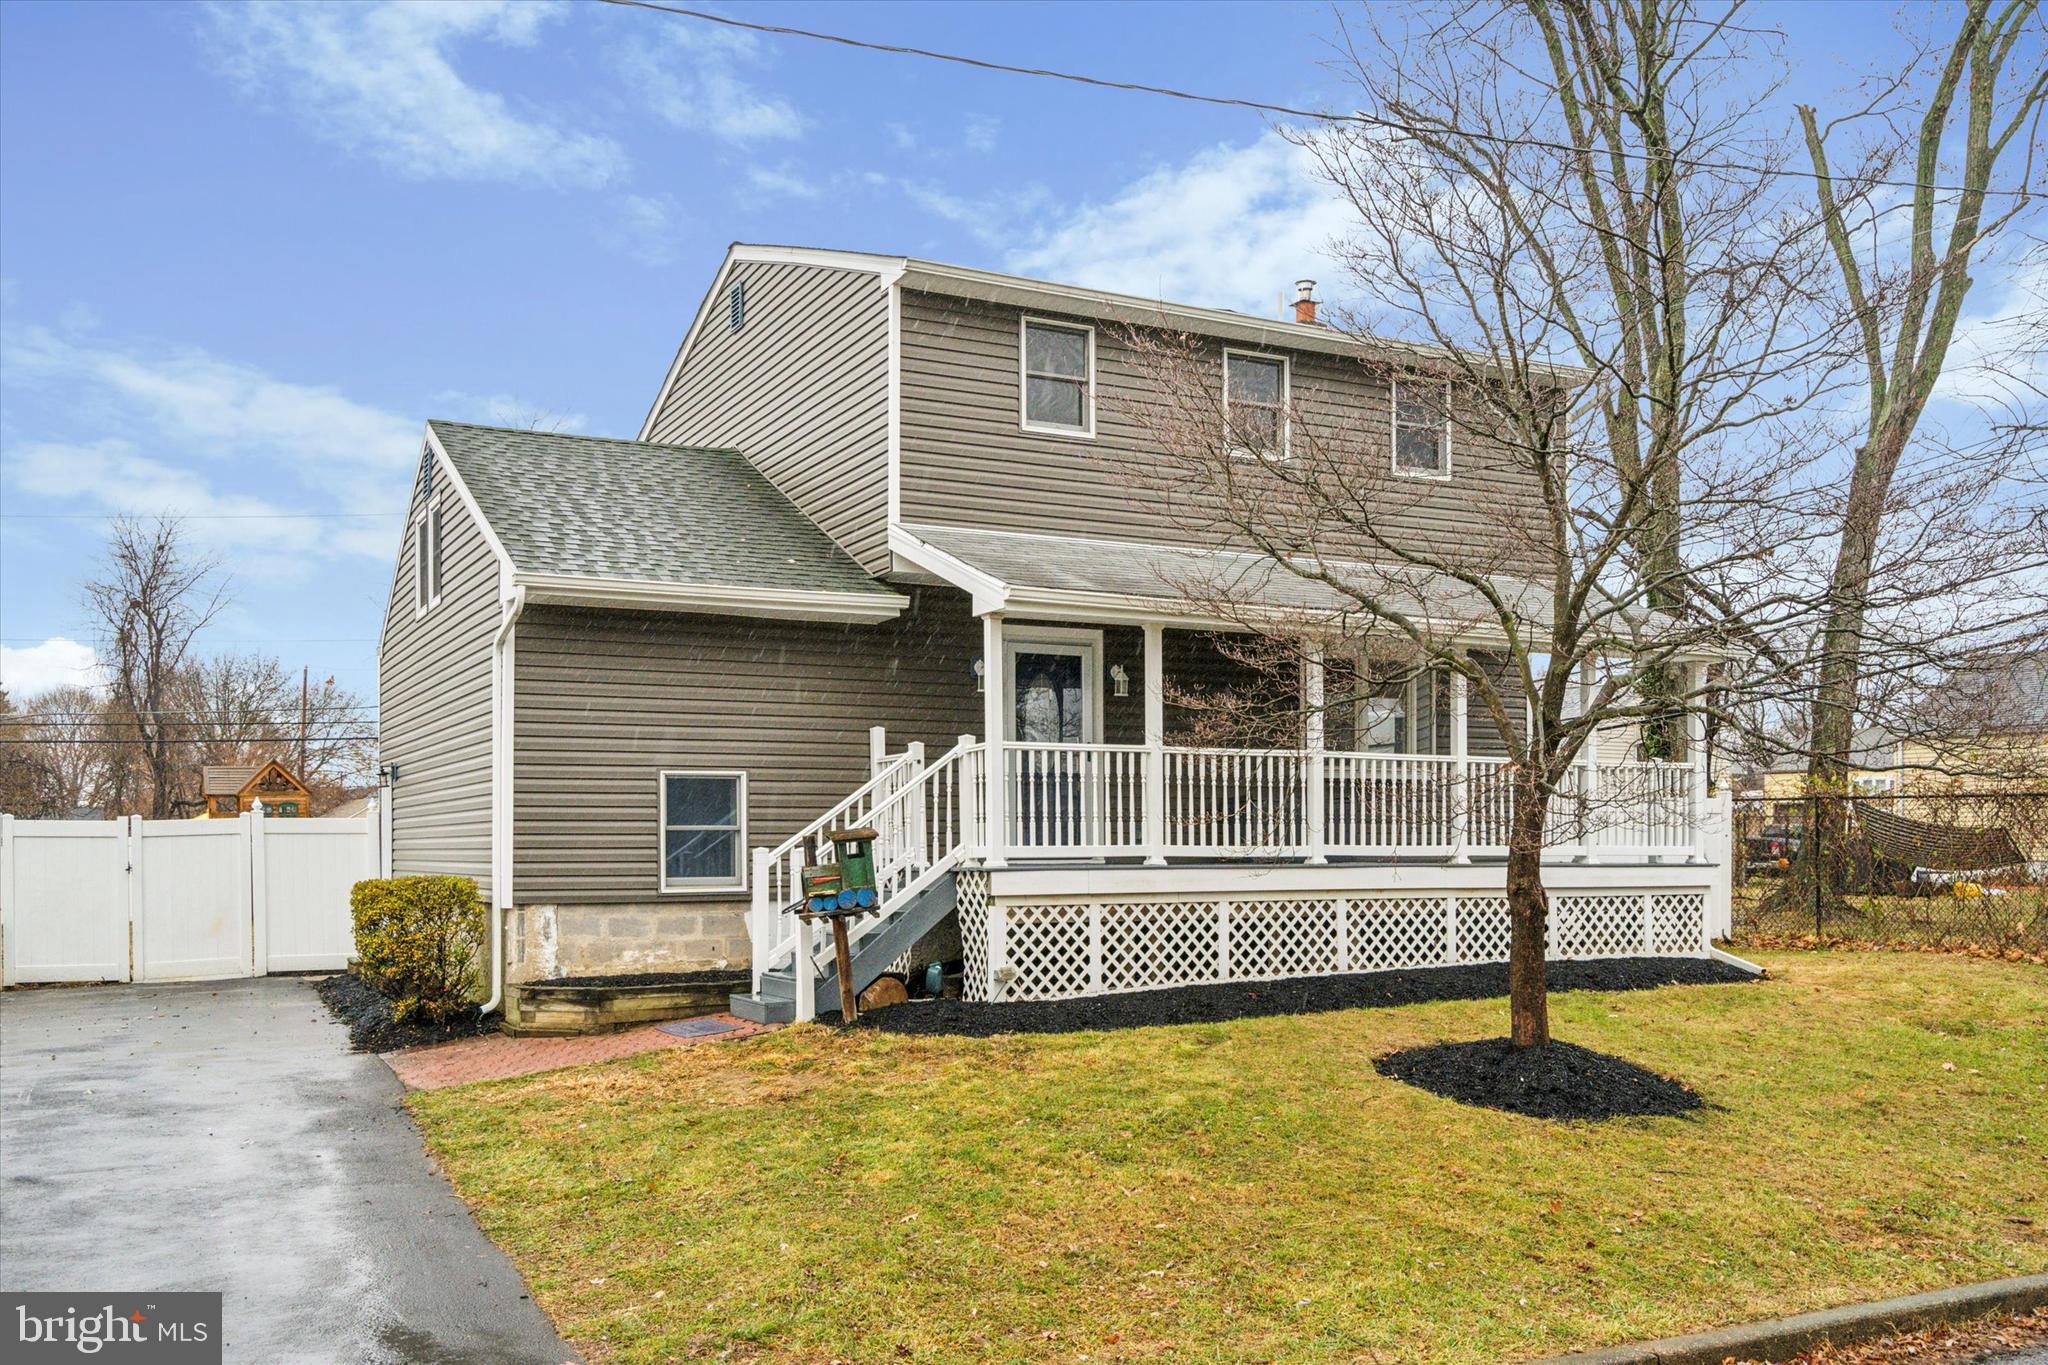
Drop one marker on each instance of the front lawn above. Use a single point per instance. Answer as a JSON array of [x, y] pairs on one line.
[[1875, 1125]]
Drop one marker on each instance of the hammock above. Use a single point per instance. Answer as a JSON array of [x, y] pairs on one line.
[[1918, 843]]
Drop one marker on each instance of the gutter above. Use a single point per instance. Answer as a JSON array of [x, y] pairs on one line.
[[501, 790]]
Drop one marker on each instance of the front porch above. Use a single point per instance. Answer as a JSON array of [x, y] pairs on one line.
[[1077, 866]]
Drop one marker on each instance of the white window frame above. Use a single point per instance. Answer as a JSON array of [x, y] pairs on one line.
[[1394, 434], [1085, 432], [699, 886], [1074, 640], [426, 578], [1286, 403]]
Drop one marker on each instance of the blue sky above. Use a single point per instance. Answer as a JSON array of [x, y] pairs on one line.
[[245, 251]]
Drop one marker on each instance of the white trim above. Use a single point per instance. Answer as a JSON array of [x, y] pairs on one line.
[[503, 713], [1085, 432], [988, 592], [699, 886], [1421, 875], [895, 401], [1286, 402], [1394, 434], [422, 590], [584, 590], [476, 514], [887, 268], [1084, 644]]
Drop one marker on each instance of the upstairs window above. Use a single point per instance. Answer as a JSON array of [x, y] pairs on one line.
[[703, 831], [1058, 378], [736, 305], [1422, 429], [1255, 404]]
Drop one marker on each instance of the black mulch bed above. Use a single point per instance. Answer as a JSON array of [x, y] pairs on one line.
[[1561, 1081], [1296, 995], [370, 1027], [706, 977]]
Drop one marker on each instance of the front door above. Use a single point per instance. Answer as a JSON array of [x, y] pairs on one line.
[[1053, 702]]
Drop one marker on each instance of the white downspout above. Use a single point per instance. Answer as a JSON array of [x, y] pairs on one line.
[[501, 791]]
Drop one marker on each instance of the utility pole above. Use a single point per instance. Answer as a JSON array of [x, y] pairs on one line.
[[302, 722]]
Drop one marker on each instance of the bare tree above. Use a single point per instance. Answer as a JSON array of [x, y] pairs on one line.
[[246, 708], [1615, 335], [1905, 299], [149, 601]]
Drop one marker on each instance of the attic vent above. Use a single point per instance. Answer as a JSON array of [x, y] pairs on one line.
[[424, 484], [736, 305]]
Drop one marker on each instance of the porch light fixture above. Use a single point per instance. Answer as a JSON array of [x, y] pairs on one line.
[[980, 675], [1120, 679]]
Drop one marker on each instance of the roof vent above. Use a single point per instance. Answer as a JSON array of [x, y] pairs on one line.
[[1305, 301]]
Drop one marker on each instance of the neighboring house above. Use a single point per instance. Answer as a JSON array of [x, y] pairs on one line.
[[229, 789], [880, 512]]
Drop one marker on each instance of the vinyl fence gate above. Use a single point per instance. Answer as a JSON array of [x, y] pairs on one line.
[[169, 900]]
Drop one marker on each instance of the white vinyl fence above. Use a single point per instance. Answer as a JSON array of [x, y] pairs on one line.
[[166, 900]]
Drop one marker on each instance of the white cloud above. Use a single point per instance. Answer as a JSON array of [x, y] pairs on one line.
[[1998, 359], [506, 410], [1231, 227], [172, 429], [979, 133], [56, 662], [642, 227], [379, 80], [785, 182], [689, 76]]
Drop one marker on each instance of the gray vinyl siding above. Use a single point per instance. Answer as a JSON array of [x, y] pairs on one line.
[[606, 701], [965, 461], [802, 389], [434, 703]]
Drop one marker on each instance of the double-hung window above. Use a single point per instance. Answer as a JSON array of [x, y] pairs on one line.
[[1422, 429], [1384, 719], [1058, 365], [703, 831], [1255, 404]]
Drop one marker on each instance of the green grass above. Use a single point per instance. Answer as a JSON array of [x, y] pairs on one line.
[[1876, 1125]]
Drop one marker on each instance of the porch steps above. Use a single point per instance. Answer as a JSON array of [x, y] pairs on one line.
[[907, 922]]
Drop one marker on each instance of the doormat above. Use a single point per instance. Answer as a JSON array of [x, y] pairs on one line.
[[697, 1028]]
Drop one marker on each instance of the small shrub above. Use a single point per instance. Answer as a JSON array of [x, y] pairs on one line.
[[419, 940]]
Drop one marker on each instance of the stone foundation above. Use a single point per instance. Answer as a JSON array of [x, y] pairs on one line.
[[543, 941]]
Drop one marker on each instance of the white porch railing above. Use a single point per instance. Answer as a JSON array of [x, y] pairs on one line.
[[1109, 800]]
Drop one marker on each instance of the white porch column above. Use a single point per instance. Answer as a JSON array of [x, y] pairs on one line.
[[995, 771], [1155, 744], [1589, 771], [1696, 757], [878, 747], [1461, 803], [1312, 741]]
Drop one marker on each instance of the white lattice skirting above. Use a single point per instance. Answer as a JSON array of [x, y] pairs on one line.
[[1060, 949]]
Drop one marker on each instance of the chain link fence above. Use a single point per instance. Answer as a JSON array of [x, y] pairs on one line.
[[1935, 869]]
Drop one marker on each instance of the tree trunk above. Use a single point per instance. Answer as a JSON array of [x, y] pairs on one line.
[[1528, 914]]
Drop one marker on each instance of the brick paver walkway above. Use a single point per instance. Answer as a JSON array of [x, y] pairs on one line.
[[497, 1056]]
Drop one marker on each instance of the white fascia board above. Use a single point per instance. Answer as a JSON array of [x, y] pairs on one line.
[[788, 604], [476, 514], [989, 592], [887, 269]]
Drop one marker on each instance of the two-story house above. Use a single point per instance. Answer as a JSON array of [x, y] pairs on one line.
[[877, 557]]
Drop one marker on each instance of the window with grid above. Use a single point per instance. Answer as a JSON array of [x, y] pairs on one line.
[[1058, 383], [703, 831], [1422, 429], [1255, 404]]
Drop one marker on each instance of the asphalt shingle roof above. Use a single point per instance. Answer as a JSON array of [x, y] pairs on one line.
[[641, 512], [1193, 575]]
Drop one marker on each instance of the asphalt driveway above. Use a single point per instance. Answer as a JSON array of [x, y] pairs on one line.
[[220, 1136]]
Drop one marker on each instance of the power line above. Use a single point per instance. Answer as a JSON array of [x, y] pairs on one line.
[[1235, 102], [187, 739], [193, 516]]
